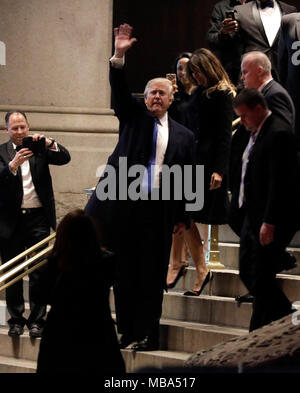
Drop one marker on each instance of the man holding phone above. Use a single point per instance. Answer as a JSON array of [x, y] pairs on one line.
[[221, 32], [27, 211]]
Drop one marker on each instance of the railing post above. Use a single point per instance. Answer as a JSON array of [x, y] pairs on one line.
[[213, 248]]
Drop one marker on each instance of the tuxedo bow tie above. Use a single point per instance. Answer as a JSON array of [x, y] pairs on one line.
[[265, 4]]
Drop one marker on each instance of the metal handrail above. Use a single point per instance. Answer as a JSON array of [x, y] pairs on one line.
[[24, 265]]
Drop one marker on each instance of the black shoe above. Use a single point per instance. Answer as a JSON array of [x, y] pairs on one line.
[[245, 298], [125, 340], [15, 330], [35, 330], [287, 262], [147, 344], [181, 273], [208, 279]]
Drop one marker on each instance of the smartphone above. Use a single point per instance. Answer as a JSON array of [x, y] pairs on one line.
[[37, 147], [230, 14]]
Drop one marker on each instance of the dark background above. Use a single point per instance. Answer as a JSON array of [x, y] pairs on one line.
[[163, 28]]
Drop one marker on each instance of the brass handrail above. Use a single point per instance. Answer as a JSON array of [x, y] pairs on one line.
[[24, 265], [235, 123]]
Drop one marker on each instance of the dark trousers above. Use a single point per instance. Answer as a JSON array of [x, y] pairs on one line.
[[143, 258], [31, 228], [258, 272]]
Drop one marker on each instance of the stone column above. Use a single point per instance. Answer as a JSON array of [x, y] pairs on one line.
[[56, 69]]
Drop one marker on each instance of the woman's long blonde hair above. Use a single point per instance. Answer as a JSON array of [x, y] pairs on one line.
[[205, 63]]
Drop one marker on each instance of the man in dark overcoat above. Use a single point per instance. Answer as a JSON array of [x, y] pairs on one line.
[[139, 230]]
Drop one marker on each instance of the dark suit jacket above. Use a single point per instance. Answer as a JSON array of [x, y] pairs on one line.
[[289, 61], [252, 34], [135, 141], [281, 105], [280, 102], [227, 48], [270, 189], [11, 190]]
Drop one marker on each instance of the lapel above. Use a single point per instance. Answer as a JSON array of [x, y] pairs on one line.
[[171, 148], [10, 150], [258, 22], [298, 25], [267, 87]]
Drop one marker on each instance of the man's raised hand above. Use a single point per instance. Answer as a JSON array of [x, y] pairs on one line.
[[123, 40]]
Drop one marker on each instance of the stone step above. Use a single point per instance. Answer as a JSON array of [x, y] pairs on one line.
[[22, 347], [11, 365], [135, 361], [215, 310], [192, 337], [226, 235], [229, 256], [227, 283]]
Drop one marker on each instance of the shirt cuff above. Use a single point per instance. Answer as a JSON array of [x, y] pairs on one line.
[[117, 62], [11, 170]]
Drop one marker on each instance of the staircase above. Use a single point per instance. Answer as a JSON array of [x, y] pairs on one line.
[[188, 324]]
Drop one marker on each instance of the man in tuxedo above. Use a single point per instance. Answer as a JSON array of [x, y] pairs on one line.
[[269, 198], [289, 61], [27, 212], [222, 40], [140, 230], [259, 25]]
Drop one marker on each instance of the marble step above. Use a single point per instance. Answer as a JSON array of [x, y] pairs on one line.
[[16, 366], [227, 283]]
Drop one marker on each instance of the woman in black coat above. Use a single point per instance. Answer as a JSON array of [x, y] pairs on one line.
[[209, 115], [79, 335]]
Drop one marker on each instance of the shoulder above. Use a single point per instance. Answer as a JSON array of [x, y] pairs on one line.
[[287, 7], [181, 129], [290, 18]]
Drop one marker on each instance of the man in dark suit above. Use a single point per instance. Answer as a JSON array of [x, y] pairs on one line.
[[268, 195], [140, 230], [259, 25], [256, 73], [27, 212], [221, 39], [289, 62]]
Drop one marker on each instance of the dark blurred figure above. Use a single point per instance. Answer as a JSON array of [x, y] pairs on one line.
[[79, 335], [289, 62], [220, 37]]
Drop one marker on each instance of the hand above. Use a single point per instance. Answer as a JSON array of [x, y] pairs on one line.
[[179, 228], [266, 234], [21, 156], [36, 137], [122, 39], [229, 26], [215, 181]]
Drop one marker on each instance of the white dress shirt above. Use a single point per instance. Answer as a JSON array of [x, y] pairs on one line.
[[30, 197], [271, 20]]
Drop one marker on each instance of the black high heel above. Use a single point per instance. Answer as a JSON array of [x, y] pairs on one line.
[[208, 279], [181, 273]]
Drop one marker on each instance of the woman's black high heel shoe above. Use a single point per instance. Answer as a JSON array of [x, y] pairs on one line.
[[208, 279], [181, 273]]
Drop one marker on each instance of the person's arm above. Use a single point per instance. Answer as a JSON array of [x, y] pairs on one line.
[[221, 29], [123, 101], [282, 55]]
